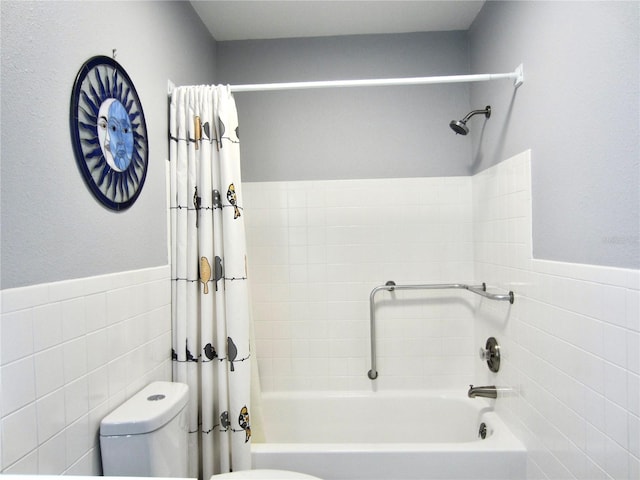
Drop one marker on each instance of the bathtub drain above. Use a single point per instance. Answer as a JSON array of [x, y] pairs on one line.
[[482, 432]]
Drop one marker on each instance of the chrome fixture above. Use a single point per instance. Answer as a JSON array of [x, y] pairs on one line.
[[460, 126], [491, 353], [489, 391], [391, 286]]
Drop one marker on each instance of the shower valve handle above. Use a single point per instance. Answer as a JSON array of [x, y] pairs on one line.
[[491, 354], [486, 354]]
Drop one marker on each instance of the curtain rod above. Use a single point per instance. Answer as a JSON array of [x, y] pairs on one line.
[[517, 75]]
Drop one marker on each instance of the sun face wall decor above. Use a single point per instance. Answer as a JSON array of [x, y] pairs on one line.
[[109, 133]]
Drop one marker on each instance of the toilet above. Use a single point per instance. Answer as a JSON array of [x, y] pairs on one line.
[[147, 436]]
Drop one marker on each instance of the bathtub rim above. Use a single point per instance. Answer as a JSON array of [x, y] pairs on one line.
[[449, 393], [501, 439]]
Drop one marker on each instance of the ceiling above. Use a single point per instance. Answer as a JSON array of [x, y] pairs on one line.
[[263, 19]]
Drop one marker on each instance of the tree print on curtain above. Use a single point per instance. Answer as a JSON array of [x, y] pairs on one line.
[[210, 302]]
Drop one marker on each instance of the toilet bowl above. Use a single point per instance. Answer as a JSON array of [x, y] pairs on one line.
[[146, 436], [264, 475]]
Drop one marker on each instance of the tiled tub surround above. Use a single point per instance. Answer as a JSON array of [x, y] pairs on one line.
[[316, 250], [72, 351], [570, 342]]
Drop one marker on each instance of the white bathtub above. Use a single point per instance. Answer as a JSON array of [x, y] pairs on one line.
[[387, 435]]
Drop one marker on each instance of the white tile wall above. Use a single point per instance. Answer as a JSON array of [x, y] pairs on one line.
[[570, 341], [316, 250], [70, 353]]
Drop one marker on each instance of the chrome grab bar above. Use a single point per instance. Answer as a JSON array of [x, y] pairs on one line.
[[391, 286], [482, 291]]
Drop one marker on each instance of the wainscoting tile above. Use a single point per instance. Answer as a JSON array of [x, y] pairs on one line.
[[17, 338], [50, 415], [47, 326], [57, 341], [18, 385], [49, 370], [19, 434]]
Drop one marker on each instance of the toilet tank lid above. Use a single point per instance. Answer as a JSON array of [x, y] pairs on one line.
[[151, 408]]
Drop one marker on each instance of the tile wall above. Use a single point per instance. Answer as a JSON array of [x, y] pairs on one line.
[[571, 341], [71, 352], [317, 249]]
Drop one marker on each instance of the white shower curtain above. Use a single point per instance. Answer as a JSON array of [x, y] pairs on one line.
[[210, 299]]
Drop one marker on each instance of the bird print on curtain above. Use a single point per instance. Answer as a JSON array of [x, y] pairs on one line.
[[210, 302]]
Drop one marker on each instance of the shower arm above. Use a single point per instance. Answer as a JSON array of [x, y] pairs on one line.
[[391, 286], [485, 111]]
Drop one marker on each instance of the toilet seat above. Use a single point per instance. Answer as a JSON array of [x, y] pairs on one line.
[[264, 474]]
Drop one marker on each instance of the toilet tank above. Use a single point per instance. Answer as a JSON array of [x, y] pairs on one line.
[[146, 436]]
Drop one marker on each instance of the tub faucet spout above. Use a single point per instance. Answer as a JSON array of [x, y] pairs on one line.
[[489, 391]]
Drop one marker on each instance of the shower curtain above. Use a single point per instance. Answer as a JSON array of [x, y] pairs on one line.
[[210, 302]]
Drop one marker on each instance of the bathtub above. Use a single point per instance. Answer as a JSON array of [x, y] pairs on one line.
[[387, 435]]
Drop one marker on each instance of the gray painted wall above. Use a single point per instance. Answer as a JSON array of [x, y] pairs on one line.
[[582, 79], [379, 132], [52, 227], [581, 64], [579, 113]]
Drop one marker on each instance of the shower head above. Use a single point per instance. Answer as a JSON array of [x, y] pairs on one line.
[[460, 126]]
